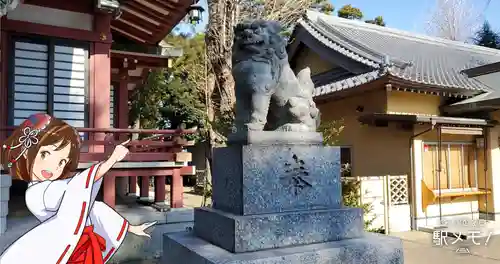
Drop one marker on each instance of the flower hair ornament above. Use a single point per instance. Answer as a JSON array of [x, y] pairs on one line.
[[31, 128]]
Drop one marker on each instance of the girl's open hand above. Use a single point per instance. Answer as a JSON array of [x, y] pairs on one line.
[[139, 229], [120, 152]]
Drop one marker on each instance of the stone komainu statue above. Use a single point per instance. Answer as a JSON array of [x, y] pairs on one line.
[[268, 94]]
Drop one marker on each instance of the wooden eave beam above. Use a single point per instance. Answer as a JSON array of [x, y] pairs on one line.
[[167, 5], [160, 18], [126, 34], [140, 15], [140, 64], [155, 5], [140, 22], [128, 78], [161, 65], [135, 25], [132, 31], [139, 58], [118, 64]]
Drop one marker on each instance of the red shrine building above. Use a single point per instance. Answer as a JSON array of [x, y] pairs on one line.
[[79, 61]]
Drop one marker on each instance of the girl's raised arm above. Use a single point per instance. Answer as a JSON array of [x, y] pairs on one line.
[[119, 153]]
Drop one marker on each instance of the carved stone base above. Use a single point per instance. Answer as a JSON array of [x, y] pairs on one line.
[[275, 138], [239, 234], [372, 248], [259, 179]]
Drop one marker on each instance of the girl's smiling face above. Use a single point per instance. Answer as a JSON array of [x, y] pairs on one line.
[[50, 162]]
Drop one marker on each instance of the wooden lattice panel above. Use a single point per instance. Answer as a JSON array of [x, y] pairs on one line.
[[398, 189]]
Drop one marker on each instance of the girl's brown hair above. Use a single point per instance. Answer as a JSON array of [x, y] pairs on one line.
[[56, 132]]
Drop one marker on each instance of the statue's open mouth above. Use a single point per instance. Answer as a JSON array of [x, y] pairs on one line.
[[252, 42]]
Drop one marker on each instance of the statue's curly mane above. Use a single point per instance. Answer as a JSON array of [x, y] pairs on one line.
[[271, 45], [260, 41]]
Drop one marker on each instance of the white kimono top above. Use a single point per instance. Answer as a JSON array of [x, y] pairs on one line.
[[64, 208]]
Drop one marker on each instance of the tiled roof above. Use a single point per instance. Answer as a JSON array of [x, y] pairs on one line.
[[408, 56], [480, 98], [346, 83]]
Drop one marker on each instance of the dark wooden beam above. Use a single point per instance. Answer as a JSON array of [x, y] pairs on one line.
[[140, 22], [131, 30], [165, 4], [23, 27], [117, 63], [129, 79], [157, 16]]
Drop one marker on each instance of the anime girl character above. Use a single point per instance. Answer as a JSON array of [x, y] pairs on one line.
[[74, 227]]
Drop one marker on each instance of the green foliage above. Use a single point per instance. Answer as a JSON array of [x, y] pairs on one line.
[[487, 37], [323, 6], [180, 105], [331, 131], [377, 21], [145, 100], [351, 197], [350, 12], [174, 97], [351, 187]]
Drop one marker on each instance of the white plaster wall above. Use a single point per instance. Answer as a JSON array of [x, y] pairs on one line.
[[52, 17], [372, 191], [449, 211], [399, 218]]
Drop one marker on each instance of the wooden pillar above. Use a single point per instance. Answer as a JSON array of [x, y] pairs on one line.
[[100, 92], [176, 190], [100, 85], [144, 187], [133, 180], [418, 175], [132, 185], [490, 203], [109, 196], [122, 114], [160, 189]]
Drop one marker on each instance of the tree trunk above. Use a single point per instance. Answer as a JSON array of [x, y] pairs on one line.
[[220, 96], [219, 42]]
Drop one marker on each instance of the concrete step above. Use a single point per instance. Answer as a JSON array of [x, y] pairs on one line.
[[177, 227], [139, 250], [180, 215]]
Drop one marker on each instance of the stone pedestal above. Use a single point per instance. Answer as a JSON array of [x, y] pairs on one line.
[[278, 202], [5, 183]]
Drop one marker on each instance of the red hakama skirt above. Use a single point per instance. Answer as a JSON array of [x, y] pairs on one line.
[[89, 248]]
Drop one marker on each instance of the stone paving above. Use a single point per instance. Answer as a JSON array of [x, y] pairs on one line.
[[418, 249]]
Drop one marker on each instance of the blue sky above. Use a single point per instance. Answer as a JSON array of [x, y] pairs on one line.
[[409, 15]]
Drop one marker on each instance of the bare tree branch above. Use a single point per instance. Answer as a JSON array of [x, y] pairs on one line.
[[453, 19]]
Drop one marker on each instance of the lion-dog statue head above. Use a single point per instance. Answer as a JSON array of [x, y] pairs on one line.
[[258, 40]]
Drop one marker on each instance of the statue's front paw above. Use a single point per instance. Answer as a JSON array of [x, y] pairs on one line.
[[255, 126], [314, 112], [291, 127]]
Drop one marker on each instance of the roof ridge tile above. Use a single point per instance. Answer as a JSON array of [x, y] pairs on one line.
[[400, 33]]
